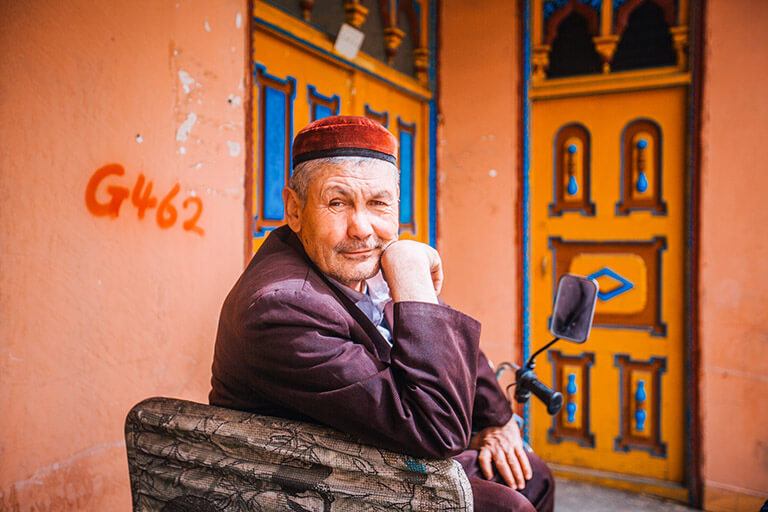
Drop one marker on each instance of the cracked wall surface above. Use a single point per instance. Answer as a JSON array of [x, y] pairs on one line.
[[111, 295]]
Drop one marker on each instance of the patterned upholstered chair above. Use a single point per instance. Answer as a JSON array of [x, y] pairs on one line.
[[185, 456]]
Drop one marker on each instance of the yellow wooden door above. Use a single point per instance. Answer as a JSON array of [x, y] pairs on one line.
[[299, 77], [607, 175]]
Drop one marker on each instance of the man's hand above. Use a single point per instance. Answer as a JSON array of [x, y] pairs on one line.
[[503, 447], [413, 271]]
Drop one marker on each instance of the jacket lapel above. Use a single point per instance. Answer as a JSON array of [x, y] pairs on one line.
[[389, 314], [380, 344]]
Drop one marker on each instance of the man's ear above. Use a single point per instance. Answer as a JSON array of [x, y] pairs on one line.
[[293, 207]]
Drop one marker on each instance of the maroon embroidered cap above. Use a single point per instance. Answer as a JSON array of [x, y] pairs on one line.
[[344, 136]]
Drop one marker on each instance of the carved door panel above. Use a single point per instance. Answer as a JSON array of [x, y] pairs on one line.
[[298, 78], [607, 178]]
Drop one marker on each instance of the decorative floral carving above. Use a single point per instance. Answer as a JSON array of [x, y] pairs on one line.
[[680, 40], [355, 13], [393, 37], [606, 47], [306, 8], [540, 61], [421, 64]]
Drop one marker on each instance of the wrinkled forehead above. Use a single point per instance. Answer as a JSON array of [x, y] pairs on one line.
[[363, 175]]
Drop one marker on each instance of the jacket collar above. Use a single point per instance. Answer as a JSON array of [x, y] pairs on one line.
[[380, 344]]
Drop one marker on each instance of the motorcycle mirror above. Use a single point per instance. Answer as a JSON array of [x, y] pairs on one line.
[[574, 308]]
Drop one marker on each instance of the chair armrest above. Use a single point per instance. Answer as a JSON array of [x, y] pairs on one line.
[[240, 461]]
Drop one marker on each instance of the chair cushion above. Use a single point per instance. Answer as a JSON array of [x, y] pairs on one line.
[[233, 460]]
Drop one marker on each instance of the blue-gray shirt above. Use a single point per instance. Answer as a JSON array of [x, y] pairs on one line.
[[371, 302]]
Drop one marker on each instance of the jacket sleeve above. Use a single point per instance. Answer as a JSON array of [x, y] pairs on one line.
[[491, 407], [420, 403]]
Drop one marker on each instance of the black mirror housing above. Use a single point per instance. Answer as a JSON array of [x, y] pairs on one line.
[[574, 308]]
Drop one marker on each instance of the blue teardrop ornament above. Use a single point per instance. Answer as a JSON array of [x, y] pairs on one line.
[[642, 183], [571, 410], [640, 419], [571, 388], [573, 187], [640, 394]]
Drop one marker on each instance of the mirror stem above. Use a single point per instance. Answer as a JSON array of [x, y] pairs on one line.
[[530, 364]]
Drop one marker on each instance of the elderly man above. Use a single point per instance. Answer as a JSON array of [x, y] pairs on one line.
[[337, 321]]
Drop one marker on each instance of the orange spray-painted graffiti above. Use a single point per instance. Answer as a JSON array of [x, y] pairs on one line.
[[118, 194], [142, 198]]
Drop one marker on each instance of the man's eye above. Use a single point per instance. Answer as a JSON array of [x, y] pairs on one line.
[[335, 203], [378, 203]]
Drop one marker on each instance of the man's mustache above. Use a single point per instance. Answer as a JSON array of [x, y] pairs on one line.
[[357, 246]]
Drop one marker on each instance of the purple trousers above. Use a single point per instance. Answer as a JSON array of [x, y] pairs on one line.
[[495, 496]]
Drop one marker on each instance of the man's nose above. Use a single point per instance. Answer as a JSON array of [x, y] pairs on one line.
[[359, 225]]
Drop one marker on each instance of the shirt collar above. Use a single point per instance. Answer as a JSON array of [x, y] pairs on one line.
[[375, 290], [371, 302]]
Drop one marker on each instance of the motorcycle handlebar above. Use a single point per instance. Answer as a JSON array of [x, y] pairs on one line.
[[527, 381]]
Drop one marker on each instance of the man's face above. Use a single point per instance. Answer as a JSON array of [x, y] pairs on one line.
[[349, 216]]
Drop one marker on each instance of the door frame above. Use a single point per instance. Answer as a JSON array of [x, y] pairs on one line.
[[692, 428], [252, 22]]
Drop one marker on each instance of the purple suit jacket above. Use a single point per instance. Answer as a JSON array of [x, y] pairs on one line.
[[291, 344]]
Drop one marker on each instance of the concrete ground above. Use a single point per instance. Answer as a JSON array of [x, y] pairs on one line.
[[572, 496]]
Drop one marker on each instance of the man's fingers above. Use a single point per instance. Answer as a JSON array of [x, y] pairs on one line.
[[522, 456], [437, 279], [436, 269], [413, 271], [501, 461], [515, 470], [506, 451], [485, 460]]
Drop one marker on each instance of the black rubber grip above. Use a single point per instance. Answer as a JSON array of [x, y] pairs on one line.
[[552, 399]]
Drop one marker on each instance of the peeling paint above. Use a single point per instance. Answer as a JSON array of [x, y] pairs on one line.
[[183, 150], [239, 20], [38, 478], [739, 373], [234, 148], [186, 80], [183, 132], [492, 173], [234, 100], [229, 126], [234, 192], [207, 26], [138, 138]]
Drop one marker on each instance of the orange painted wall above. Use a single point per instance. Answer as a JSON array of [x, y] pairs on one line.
[[97, 313], [478, 165], [477, 217], [734, 245]]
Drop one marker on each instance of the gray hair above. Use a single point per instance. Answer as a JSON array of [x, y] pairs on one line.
[[305, 172]]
